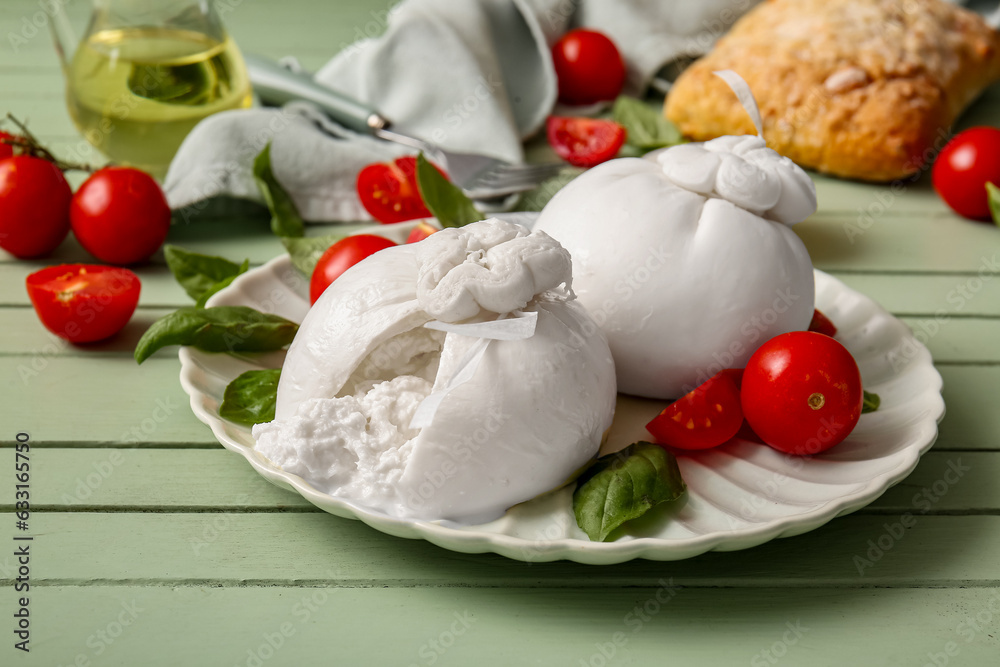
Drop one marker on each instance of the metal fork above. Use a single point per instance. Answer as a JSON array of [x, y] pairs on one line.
[[481, 177]]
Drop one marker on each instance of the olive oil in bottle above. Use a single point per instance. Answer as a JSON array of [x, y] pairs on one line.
[[135, 93]]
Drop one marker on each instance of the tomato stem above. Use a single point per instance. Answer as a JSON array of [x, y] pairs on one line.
[[30, 145], [816, 401]]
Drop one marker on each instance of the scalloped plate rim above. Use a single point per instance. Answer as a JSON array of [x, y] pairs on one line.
[[469, 540]]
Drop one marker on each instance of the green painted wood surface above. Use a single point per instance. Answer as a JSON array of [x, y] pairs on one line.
[[136, 504], [514, 626], [99, 479]]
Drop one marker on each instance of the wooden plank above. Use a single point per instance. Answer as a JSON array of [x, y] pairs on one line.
[[655, 624], [26, 335], [966, 341], [942, 244], [215, 548], [972, 420], [109, 401], [129, 396], [913, 295], [900, 245], [923, 295], [159, 289], [143, 479]]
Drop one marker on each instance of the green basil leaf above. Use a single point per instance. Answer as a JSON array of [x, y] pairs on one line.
[[993, 194], [199, 273], [624, 486], [250, 399], [645, 127], [218, 329], [444, 199], [870, 402], [225, 282], [285, 218], [305, 251], [536, 199]]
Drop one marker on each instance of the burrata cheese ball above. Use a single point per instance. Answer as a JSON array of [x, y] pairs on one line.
[[447, 379], [687, 258]]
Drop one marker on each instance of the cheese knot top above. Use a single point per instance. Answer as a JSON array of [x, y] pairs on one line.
[[492, 266], [745, 172]]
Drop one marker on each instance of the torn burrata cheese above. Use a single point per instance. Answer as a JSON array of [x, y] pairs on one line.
[[447, 379], [687, 257]]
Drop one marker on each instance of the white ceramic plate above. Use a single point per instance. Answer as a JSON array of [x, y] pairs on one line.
[[739, 495]]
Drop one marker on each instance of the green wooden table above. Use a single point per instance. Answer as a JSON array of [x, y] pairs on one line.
[[154, 546]]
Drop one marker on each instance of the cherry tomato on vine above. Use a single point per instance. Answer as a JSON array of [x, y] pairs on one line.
[[820, 323], [802, 392], [341, 256], [34, 206], [704, 418], [84, 303], [588, 66], [963, 168], [585, 142], [120, 216], [388, 190]]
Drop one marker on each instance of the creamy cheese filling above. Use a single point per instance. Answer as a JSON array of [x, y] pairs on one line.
[[357, 444]]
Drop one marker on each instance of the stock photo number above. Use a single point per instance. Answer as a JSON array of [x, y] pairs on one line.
[[22, 541]]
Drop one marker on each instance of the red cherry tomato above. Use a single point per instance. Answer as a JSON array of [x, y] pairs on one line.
[[706, 417], [820, 323], [6, 150], [120, 216], [962, 169], [802, 392], [34, 206], [585, 142], [388, 190], [84, 303], [588, 66], [421, 231], [341, 256]]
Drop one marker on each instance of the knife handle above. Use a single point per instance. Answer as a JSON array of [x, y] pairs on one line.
[[275, 84]]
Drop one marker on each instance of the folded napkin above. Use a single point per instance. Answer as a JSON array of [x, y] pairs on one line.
[[470, 75]]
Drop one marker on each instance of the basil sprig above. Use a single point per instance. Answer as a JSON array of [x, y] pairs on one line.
[[305, 251], [623, 486], [444, 199], [251, 398], [285, 218], [218, 329], [645, 127], [201, 276]]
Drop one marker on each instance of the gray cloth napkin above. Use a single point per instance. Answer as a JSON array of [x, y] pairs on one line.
[[470, 75]]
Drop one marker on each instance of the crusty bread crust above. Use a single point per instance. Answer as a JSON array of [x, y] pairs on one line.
[[862, 89]]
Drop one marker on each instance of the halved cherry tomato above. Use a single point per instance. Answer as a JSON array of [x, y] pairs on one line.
[[120, 216], [820, 323], [802, 392], [963, 168], [588, 66], [34, 206], [421, 231], [585, 142], [704, 418], [84, 303], [388, 190], [341, 256]]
